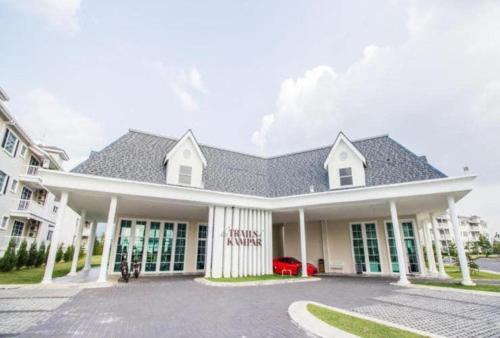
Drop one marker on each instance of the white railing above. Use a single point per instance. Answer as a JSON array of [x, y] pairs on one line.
[[32, 170], [30, 206]]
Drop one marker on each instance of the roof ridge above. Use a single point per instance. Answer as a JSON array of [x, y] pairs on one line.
[[253, 155]]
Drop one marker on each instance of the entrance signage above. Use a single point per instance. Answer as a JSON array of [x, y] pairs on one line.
[[243, 238]]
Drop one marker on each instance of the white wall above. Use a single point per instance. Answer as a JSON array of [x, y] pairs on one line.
[[352, 161], [181, 157]]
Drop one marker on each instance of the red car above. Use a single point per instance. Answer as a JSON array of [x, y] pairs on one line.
[[289, 265]]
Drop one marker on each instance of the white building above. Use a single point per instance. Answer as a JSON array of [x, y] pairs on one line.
[[27, 209], [178, 206], [471, 227]]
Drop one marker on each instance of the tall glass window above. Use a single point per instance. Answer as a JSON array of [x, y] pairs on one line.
[[411, 247], [372, 246], [138, 248], [152, 249], [180, 246], [358, 246], [122, 248], [392, 247], [202, 247], [166, 247]]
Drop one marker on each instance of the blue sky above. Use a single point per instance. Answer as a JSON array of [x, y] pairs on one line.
[[263, 76]]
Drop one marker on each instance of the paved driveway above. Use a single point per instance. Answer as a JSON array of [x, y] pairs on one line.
[[492, 264], [178, 306]]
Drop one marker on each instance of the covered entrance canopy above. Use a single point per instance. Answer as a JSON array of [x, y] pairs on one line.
[[237, 218]]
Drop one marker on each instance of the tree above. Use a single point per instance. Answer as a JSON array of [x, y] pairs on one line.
[[32, 255], [9, 257], [484, 244], [68, 254], [82, 252], [98, 244], [22, 255], [59, 253], [40, 255]]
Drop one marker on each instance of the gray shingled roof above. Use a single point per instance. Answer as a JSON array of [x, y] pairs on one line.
[[139, 156]]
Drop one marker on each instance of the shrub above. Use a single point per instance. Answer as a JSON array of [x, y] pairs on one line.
[[59, 253], [68, 254], [32, 255], [9, 257], [22, 255], [40, 255], [98, 244]]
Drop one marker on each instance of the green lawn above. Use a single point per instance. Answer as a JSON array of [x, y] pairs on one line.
[[454, 272], [252, 278], [35, 275], [478, 287], [357, 326]]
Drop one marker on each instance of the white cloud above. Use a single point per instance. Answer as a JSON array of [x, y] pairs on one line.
[[439, 90], [50, 121], [59, 14], [186, 85]]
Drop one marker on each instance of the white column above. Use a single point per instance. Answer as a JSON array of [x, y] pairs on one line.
[[210, 239], [235, 249], [324, 238], [431, 262], [110, 227], [420, 251], [403, 280], [303, 255], [270, 244], [78, 242], [54, 242], [437, 244], [218, 242], [90, 246], [245, 248], [283, 239], [259, 248], [464, 266], [254, 249]]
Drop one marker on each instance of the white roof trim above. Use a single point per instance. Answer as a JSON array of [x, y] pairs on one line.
[[342, 137], [188, 135]]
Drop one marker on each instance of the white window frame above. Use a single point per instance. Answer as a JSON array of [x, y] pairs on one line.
[[346, 176], [14, 187], [23, 151], [16, 143], [3, 186], [5, 223], [185, 175], [198, 243], [403, 243], [23, 228], [365, 247]]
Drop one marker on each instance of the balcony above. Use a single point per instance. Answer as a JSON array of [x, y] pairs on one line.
[[32, 210], [31, 178]]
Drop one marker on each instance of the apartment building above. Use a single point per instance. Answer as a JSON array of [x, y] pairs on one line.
[[27, 209], [471, 227]]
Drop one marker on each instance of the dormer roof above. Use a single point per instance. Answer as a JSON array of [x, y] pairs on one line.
[[342, 138], [187, 136]]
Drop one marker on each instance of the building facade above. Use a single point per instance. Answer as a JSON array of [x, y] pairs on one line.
[[177, 206], [471, 228], [27, 209]]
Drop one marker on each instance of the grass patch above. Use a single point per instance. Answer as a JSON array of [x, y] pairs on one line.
[[478, 287], [35, 275], [357, 326], [454, 272], [252, 278]]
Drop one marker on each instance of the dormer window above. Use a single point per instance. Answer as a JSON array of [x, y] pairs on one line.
[[345, 175], [185, 173]]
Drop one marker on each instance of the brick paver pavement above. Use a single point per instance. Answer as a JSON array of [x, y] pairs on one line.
[[180, 307]]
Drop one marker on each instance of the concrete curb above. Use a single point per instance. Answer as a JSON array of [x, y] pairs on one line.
[[444, 288], [55, 286], [305, 320], [204, 281], [302, 317], [491, 271]]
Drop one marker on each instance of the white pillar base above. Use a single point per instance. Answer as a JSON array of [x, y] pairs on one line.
[[468, 283], [403, 282], [72, 274]]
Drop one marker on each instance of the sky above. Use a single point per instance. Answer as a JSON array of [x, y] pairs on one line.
[[264, 77]]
